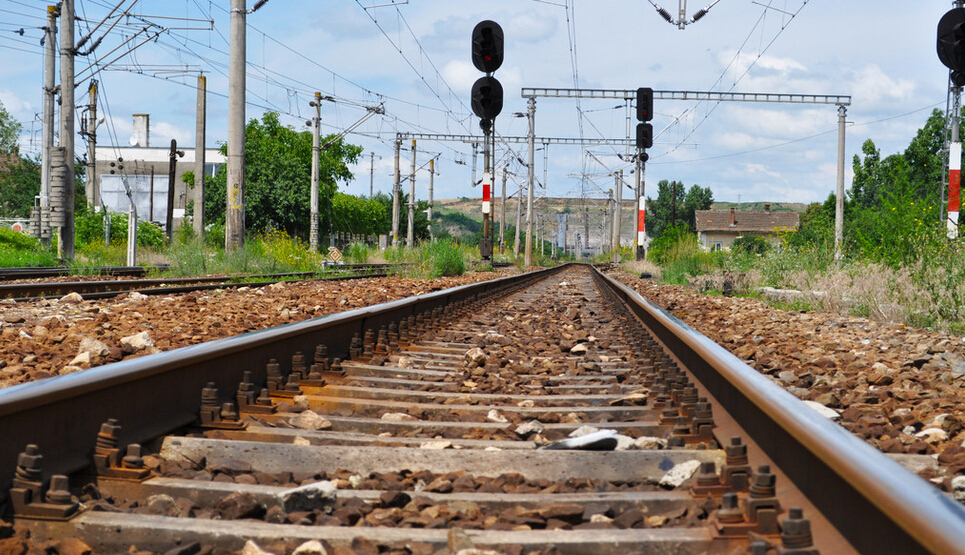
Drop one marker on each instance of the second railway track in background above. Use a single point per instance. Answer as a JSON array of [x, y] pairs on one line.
[[101, 289], [423, 437]]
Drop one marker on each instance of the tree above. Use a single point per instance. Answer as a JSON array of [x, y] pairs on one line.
[[278, 166], [421, 228], [19, 184], [675, 205], [698, 198], [9, 132]]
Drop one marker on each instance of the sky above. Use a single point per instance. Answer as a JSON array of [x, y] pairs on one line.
[[413, 58]]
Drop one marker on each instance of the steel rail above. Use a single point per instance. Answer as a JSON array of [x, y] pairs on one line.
[[874, 502], [157, 394], [45, 272], [110, 288]]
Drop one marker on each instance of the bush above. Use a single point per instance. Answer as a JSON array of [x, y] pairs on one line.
[[89, 228], [442, 258], [750, 244]]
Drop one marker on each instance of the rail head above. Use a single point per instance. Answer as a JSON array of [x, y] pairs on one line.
[[895, 511]]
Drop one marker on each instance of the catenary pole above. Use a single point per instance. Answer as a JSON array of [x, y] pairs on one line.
[[199, 156], [395, 196], [93, 192], [839, 190], [432, 175], [502, 214], [235, 210], [531, 115], [50, 91], [410, 231], [66, 239], [316, 130]]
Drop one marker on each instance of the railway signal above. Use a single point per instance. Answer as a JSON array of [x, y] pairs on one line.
[[644, 135], [951, 40], [487, 46], [644, 104], [487, 103]]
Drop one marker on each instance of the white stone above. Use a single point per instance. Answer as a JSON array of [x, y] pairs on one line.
[[252, 548], [300, 402], [526, 404], [436, 445], [69, 370], [276, 286], [136, 296], [625, 443], [958, 488], [309, 420], [531, 427], [651, 443], [578, 349], [80, 360], [317, 495], [600, 518], [583, 430], [25, 335], [72, 298], [475, 357], [679, 474], [494, 416], [824, 411], [405, 362], [138, 341], [94, 347], [910, 430], [398, 417], [932, 435], [301, 441], [355, 480], [313, 547]]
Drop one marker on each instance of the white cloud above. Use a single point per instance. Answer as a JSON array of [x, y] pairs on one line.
[[872, 85]]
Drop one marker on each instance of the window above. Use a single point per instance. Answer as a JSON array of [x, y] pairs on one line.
[[717, 247]]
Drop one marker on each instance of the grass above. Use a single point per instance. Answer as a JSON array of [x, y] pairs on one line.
[[19, 250]]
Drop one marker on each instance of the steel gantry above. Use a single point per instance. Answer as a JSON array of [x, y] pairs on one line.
[[841, 101]]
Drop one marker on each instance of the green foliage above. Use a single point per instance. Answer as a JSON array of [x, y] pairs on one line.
[[360, 216], [19, 185], [750, 244], [277, 191], [290, 254], [675, 205], [421, 227], [9, 131], [442, 258], [663, 248], [89, 229], [17, 249], [358, 253]]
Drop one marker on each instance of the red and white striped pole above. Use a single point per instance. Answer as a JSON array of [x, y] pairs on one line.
[[954, 187], [641, 222], [487, 193]]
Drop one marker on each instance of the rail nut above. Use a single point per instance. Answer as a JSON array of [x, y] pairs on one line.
[[796, 534]]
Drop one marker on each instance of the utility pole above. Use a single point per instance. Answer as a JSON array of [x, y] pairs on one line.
[[65, 244], [839, 191], [235, 210], [50, 90], [172, 171], [316, 130], [395, 196], [617, 214], [90, 130], [432, 176], [372, 176], [410, 231], [531, 115], [502, 215], [199, 156], [519, 210]]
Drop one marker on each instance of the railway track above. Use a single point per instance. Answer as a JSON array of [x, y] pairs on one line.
[[493, 416], [49, 272], [101, 289]]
